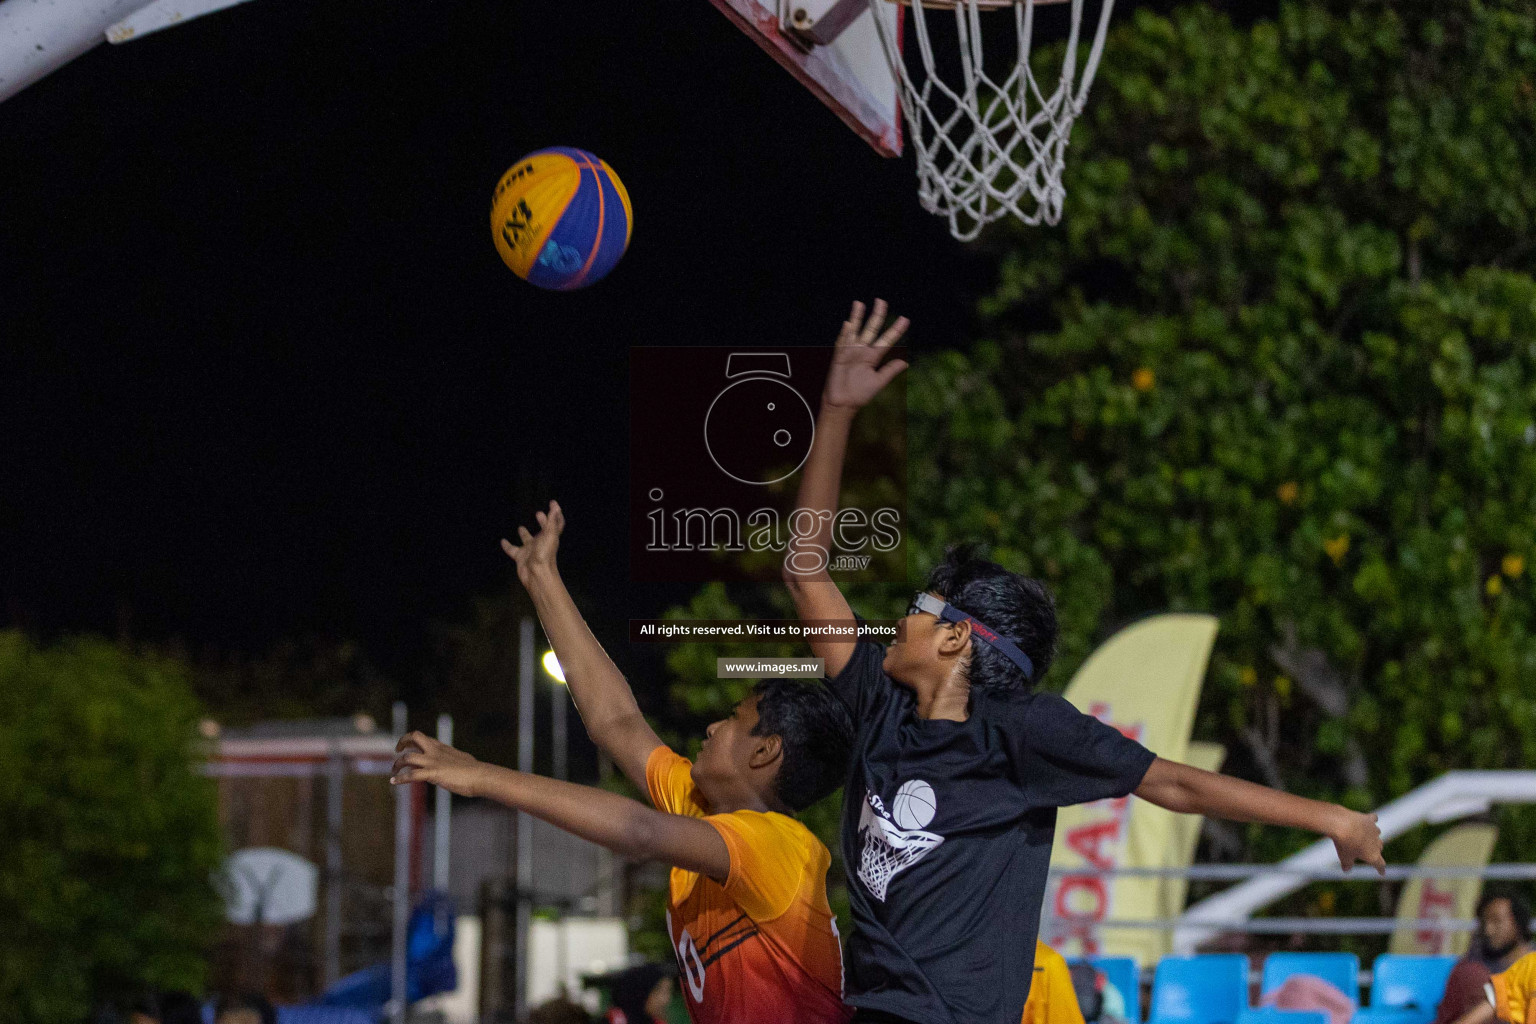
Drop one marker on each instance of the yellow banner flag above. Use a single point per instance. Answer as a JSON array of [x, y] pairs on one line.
[[1465, 846], [1145, 681]]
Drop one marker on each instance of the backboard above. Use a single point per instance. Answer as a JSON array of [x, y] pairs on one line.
[[850, 74]]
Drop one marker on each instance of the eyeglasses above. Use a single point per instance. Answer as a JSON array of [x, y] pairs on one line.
[[945, 612], [923, 601]]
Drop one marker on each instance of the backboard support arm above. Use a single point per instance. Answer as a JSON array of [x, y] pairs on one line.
[[818, 22]]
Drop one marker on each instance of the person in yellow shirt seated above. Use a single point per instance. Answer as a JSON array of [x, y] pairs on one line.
[[1051, 996], [1511, 996], [1514, 992]]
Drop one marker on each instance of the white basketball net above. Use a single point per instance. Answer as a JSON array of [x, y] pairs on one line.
[[988, 148]]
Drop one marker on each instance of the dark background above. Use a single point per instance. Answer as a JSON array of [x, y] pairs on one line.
[[262, 371]]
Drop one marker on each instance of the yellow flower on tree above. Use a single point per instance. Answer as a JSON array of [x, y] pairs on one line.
[[1514, 566], [1143, 379], [1494, 586], [1288, 492], [1337, 548]]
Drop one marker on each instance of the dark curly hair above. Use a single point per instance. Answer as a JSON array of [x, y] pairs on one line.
[[1519, 909], [816, 732], [1011, 603]]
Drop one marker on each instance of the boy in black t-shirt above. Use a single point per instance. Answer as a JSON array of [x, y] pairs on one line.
[[949, 809]]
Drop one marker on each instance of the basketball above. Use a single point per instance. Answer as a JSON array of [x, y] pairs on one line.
[[914, 805], [560, 218]]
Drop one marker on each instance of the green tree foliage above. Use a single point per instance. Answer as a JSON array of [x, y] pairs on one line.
[[1278, 362], [111, 831]]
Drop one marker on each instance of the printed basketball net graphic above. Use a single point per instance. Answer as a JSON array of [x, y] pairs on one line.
[[888, 848], [989, 145]]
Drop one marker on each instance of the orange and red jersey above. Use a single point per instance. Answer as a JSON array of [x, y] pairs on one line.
[[763, 948]]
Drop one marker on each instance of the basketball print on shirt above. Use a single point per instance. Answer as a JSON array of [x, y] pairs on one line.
[[893, 842]]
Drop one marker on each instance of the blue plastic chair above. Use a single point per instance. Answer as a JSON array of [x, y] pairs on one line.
[[1209, 989], [1342, 970], [1414, 984], [1389, 1015], [311, 1014], [1122, 972], [1271, 1015], [429, 963]]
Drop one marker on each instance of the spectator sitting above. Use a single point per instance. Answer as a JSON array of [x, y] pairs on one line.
[[640, 995], [144, 1010], [1504, 928], [1514, 992], [180, 1008], [1503, 936], [558, 1010], [248, 1008], [1052, 996]]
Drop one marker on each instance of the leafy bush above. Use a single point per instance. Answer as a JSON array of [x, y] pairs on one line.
[[112, 833]]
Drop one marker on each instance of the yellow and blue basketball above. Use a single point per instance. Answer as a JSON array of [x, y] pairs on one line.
[[560, 218]]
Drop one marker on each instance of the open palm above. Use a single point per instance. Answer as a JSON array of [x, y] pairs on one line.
[[856, 375]]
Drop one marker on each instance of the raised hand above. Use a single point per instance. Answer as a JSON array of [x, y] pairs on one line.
[[537, 552], [424, 759], [856, 375], [1359, 839]]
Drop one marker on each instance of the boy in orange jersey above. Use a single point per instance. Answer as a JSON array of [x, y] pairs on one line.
[[747, 910]]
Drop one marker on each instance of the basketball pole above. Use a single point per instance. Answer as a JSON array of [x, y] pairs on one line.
[[524, 822], [401, 895], [335, 778], [442, 809]]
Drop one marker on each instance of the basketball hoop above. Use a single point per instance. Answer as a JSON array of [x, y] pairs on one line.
[[987, 148]]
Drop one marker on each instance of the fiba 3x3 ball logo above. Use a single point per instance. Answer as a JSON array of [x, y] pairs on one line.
[[560, 218]]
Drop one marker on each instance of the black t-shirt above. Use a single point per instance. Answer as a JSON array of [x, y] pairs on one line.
[[947, 830]]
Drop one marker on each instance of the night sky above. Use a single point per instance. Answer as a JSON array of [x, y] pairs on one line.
[[263, 373]]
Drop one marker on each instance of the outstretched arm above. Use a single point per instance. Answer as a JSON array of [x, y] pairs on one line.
[[627, 827], [1188, 790], [855, 378], [602, 694]]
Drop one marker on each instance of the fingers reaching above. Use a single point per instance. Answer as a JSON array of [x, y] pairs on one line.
[[893, 333], [407, 766], [850, 331], [872, 325], [858, 332], [414, 739]]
